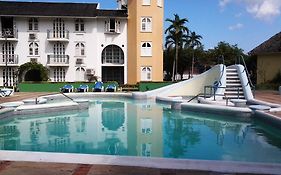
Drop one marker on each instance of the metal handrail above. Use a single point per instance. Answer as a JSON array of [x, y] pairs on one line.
[[67, 96], [221, 58], [194, 97], [247, 72]]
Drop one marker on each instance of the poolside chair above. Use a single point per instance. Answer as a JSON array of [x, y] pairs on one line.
[[111, 88], [98, 87], [83, 88], [67, 88], [6, 92]]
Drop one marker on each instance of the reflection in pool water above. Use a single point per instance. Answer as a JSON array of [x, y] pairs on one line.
[[142, 128]]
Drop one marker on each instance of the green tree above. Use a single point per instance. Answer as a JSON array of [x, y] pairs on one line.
[[228, 51], [32, 71], [177, 36]]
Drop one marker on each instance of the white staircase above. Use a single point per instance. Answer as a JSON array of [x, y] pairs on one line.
[[233, 88]]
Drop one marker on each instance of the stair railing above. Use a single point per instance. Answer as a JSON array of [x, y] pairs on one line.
[[67, 96], [241, 58]]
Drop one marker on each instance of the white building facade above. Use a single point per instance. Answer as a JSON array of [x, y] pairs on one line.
[[75, 41]]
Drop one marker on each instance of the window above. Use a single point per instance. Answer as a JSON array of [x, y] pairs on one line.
[[80, 49], [146, 149], [9, 76], [59, 74], [146, 24], [112, 26], [159, 3], [33, 24], [33, 49], [59, 29], [80, 74], [79, 25], [8, 52], [146, 74], [146, 49], [112, 54], [146, 126], [146, 2]]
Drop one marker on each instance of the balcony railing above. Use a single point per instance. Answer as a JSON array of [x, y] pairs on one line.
[[58, 60], [12, 60], [53, 35], [8, 34]]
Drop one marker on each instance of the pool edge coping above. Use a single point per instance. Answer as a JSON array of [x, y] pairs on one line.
[[132, 161]]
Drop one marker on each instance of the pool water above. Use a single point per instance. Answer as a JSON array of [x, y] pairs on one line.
[[142, 128]]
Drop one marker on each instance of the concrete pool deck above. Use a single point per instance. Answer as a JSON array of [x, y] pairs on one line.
[[82, 167]]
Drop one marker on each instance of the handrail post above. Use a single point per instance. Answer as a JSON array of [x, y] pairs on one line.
[[204, 92], [238, 93], [213, 89]]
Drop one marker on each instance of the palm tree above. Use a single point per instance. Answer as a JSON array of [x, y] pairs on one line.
[[194, 41], [177, 31], [171, 40]]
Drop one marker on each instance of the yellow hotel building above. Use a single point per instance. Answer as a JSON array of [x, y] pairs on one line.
[[145, 40]]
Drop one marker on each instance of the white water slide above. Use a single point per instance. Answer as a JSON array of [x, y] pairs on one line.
[[216, 79]]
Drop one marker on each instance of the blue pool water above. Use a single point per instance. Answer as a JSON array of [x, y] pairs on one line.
[[143, 128]]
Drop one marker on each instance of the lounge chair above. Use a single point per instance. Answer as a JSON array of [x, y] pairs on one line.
[[6, 92], [67, 88], [83, 88], [110, 88], [98, 87]]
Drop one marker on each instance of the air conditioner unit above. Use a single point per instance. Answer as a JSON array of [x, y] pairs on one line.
[[79, 61], [33, 60], [32, 36], [90, 71]]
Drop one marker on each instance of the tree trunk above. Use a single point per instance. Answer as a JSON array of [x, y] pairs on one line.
[[192, 64], [176, 62], [173, 71]]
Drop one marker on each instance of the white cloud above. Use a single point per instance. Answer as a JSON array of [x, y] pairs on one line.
[[264, 9], [261, 9], [236, 26]]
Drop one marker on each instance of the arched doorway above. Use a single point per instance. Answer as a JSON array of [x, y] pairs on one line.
[[113, 64], [33, 75]]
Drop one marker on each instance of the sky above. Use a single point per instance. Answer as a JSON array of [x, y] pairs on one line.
[[246, 23]]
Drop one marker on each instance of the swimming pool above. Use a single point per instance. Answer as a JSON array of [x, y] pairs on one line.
[[142, 128]]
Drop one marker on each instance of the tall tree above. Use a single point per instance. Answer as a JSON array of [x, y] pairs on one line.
[[177, 35], [194, 41]]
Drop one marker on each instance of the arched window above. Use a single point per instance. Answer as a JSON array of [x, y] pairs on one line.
[[80, 74], [79, 49], [159, 3], [33, 24], [146, 24], [146, 49], [112, 54], [33, 49], [79, 25], [146, 74], [146, 2]]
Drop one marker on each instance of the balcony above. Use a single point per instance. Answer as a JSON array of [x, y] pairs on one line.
[[58, 60], [12, 60], [8, 35], [62, 36]]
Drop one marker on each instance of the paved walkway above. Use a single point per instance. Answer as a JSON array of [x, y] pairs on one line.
[[23, 95], [269, 96]]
